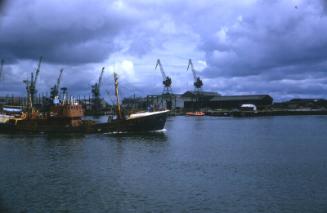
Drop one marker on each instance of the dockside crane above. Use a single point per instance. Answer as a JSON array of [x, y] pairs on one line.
[[97, 86], [166, 79], [1, 67], [34, 81], [55, 89], [167, 95], [31, 85], [197, 86], [197, 81], [96, 92]]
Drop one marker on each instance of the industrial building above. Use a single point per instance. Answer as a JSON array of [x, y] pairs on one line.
[[166, 101], [197, 99], [192, 100], [230, 102]]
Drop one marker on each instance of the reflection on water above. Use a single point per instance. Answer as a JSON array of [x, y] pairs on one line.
[[142, 137], [206, 164]]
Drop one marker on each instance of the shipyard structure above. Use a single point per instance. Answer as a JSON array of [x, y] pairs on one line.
[[195, 100], [192, 102], [200, 101]]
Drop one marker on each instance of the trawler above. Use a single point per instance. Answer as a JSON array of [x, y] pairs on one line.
[[66, 117], [135, 122]]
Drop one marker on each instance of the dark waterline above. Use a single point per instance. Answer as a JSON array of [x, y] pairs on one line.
[[269, 164]]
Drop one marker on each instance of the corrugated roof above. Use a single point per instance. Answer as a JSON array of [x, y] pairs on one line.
[[240, 98], [201, 93]]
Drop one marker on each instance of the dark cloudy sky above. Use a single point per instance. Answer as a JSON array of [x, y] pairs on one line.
[[277, 47]]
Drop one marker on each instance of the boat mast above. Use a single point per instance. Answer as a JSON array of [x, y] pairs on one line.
[[119, 114]]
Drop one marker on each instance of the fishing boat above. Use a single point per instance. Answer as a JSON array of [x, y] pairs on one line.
[[135, 122], [67, 117]]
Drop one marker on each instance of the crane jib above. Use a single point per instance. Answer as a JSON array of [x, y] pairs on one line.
[[197, 81], [38, 70], [164, 76]]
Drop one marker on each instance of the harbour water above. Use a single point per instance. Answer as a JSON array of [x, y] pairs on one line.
[[199, 164]]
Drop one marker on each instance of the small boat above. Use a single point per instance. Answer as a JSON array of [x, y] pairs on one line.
[[135, 122], [195, 113]]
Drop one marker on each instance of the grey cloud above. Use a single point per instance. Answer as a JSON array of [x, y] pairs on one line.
[[74, 32], [2, 5], [324, 5], [272, 35]]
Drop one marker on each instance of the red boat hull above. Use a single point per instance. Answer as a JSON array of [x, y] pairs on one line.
[[195, 113]]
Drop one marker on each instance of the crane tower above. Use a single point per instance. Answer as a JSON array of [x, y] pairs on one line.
[[55, 89], [31, 85], [166, 79], [197, 81], [96, 95]]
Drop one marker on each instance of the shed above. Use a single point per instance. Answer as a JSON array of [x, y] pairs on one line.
[[237, 100]]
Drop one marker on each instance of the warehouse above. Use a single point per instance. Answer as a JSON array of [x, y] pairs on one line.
[[200, 99], [230, 102]]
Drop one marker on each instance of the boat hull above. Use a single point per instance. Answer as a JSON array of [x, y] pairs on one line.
[[195, 113], [139, 124]]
